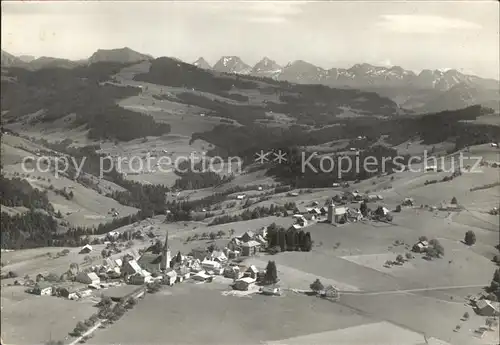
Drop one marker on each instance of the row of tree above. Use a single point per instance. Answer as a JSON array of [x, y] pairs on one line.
[[280, 239]]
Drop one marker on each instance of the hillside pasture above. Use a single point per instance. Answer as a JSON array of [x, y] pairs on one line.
[[207, 309]]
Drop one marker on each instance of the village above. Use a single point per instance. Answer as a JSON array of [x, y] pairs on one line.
[[127, 278]]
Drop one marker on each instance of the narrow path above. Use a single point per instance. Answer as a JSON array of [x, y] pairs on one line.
[[90, 331], [411, 290]]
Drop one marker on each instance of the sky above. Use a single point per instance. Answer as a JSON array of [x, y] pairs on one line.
[[423, 34]]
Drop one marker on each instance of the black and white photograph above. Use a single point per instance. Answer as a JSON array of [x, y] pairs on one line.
[[250, 172]]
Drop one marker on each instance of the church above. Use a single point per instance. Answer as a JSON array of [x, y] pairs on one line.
[[154, 262]]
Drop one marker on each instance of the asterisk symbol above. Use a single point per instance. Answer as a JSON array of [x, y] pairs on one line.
[[280, 156], [262, 157]]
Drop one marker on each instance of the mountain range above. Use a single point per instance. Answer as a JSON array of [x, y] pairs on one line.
[[429, 90], [121, 55]]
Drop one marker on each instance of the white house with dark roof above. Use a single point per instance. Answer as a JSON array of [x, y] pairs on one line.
[[251, 272], [243, 284], [86, 249]]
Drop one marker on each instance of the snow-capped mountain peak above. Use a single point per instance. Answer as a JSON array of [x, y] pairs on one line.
[[266, 68], [232, 64]]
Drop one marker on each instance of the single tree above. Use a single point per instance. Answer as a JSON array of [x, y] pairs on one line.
[[271, 275], [178, 257], [316, 286], [470, 238], [81, 327], [363, 208], [398, 208], [454, 201], [307, 242], [400, 258], [213, 236], [422, 238], [105, 302], [466, 316]]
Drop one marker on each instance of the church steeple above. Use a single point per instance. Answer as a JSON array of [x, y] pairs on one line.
[[165, 245], [165, 255]]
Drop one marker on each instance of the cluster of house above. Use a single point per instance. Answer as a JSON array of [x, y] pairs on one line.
[[152, 267], [331, 212], [81, 287], [248, 244]]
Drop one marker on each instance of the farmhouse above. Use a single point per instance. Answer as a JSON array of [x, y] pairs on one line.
[[243, 284], [88, 278], [250, 248], [86, 249], [420, 247], [487, 308], [43, 289]]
